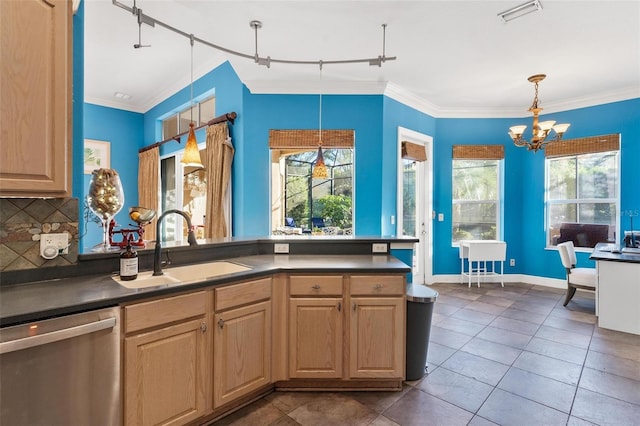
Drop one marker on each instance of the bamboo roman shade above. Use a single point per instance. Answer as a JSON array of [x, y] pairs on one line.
[[413, 151], [478, 152], [588, 145], [287, 139]]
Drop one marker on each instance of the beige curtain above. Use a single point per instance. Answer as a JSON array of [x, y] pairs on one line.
[[219, 154], [148, 170]]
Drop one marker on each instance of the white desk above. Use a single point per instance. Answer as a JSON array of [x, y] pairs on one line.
[[618, 290], [478, 254]]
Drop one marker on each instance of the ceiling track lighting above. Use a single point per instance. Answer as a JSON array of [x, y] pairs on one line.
[[266, 61], [520, 10], [541, 130]]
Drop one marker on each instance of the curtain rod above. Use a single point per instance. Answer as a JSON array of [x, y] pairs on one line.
[[230, 116]]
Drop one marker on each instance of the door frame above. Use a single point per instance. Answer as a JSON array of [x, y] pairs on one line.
[[423, 252]]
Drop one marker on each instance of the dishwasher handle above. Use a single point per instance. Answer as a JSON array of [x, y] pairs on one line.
[[55, 336]]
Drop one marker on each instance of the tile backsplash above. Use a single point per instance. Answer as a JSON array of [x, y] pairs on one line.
[[23, 220]]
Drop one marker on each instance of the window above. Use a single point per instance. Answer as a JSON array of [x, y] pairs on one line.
[[179, 122], [582, 191], [476, 192], [301, 204]]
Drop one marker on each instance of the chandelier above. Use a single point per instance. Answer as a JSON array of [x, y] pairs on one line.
[[541, 130]]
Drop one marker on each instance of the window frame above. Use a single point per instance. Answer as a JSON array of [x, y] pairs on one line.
[[577, 201], [176, 115], [498, 201]]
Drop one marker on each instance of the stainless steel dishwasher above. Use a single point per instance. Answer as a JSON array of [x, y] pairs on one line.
[[62, 371]]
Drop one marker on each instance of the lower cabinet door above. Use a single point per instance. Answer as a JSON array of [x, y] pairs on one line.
[[315, 338], [242, 352], [377, 337], [166, 374]]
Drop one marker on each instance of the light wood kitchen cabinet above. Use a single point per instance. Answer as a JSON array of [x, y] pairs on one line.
[[242, 340], [35, 94], [165, 360], [373, 340], [315, 338], [377, 327], [316, 327]]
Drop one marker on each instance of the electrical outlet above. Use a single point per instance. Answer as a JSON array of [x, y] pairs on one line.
[[281, 248], [51, 245], [379, 248], [440, 217], [512, 262]]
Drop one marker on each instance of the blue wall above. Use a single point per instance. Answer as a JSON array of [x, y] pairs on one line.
[[362, 113], [123, 129], [375, 119], [524, 227]]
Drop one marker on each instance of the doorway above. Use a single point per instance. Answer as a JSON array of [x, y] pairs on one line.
[[415, 202]]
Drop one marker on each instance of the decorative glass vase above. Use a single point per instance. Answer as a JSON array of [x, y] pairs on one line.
[[105, 199]]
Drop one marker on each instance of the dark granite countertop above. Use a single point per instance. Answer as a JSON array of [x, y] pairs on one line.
[[33, 301], [615, 253]]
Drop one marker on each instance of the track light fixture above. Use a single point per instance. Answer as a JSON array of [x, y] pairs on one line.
[[265, 61]]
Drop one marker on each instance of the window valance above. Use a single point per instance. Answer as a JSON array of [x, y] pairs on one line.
[[286, 139], [478, 152], [413, 151], [588, 145]]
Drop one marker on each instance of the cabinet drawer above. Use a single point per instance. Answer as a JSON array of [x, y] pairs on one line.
[[242, 294], [376, 285], [164, 311], [315, 285]]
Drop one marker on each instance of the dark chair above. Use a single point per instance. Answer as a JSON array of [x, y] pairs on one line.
[[288, 221], [317, 222]]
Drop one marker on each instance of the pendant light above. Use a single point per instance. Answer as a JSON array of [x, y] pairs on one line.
[[191, 155], [319, 168]]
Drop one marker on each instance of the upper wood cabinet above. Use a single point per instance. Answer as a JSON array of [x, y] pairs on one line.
[[35, 98]]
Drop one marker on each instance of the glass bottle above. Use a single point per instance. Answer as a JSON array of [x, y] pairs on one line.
[[128, 263]]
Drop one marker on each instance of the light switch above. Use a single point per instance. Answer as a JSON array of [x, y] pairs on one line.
[[440, 217]]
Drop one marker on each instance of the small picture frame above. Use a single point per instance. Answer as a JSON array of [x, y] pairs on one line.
[[97, 155]]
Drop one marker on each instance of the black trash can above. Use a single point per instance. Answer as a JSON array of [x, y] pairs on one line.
[[420, 301]]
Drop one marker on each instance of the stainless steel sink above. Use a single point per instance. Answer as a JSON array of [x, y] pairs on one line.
[[183, 274]]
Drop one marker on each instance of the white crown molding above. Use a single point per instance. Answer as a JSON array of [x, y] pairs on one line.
[[389, 89], [624, 94], [114, 103], [306, 87]]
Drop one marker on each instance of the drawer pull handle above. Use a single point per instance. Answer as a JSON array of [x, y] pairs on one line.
[[354, 306], [378, 286], [221, 323], [315, 287], [339, 306], [203, 326]]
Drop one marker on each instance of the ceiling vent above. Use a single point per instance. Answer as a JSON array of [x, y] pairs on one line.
[[521, 10]]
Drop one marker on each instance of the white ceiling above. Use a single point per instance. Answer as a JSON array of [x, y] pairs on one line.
[[454, 58]]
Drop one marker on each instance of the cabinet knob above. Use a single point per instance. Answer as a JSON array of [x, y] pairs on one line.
[[203, 326], [221, 323], [315, 287]]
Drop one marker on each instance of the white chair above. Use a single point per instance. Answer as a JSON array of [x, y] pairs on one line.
[[583, 278]]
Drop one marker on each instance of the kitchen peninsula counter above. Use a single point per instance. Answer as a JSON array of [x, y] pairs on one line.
[[54, 296]]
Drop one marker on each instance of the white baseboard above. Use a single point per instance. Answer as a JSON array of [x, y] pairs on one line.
[[508, 278]]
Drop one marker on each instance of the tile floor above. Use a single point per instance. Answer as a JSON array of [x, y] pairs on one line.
[[507, 356]]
